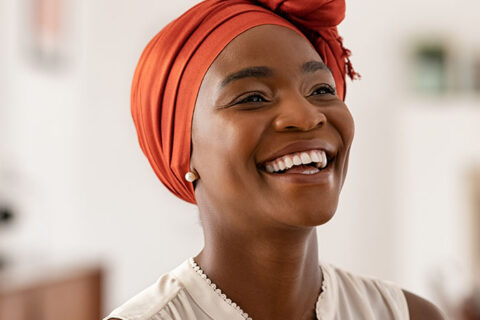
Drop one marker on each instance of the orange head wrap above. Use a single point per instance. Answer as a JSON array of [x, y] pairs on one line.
[[171, 69]]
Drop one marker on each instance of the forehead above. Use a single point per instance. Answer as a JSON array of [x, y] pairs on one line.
[[273, 46]]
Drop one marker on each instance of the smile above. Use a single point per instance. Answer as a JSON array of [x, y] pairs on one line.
[[306, 162]]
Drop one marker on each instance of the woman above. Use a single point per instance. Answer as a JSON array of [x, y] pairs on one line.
[[239, 107]]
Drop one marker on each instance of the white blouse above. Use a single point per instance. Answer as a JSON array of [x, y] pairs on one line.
[[186, 293]]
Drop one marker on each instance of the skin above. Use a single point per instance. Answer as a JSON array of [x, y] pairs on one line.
[[260, 229], [257, 227], [421, 309]]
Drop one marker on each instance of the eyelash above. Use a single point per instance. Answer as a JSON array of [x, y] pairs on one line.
[[249, 97], [325, 87], [328, 88]]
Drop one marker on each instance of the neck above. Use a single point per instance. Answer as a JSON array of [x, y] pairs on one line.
[[276, 274]]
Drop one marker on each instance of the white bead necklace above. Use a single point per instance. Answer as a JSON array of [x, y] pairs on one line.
[[217, 290], [197, 269]]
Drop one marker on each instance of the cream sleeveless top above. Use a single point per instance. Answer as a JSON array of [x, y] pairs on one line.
[[186, 293]]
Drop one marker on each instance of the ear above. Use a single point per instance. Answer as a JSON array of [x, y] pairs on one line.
[[193, 173], [192, 162]]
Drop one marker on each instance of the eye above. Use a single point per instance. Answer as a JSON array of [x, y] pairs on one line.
[[252, 98], [323, 89]]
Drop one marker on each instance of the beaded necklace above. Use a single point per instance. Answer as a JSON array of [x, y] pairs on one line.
[[217, 290], [197, 268]]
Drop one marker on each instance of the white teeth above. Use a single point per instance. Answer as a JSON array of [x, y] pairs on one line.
[[288, 162], [275, 166], [314, 156], [310, 171], [317, 157], [296, 160], [305, 158], [324, 160]]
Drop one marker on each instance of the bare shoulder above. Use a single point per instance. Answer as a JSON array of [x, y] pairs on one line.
[[422, 309]]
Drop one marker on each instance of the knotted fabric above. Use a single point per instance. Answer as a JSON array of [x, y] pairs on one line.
[[171, 68]]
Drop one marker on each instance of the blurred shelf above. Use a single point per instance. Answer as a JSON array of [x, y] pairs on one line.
[[440, 102], [51, 293]]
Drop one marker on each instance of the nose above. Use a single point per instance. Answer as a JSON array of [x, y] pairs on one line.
[[297, 114]]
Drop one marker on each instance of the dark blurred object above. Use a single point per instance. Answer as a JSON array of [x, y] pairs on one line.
[[471, 306], [441, 66], [430, 62], [476, 73], [6, 215]]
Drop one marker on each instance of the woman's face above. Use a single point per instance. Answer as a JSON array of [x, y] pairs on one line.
[[265, 100]]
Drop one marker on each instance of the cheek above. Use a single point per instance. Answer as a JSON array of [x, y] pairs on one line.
[[349, 128], [343, 121], [345, 125], [223, 150]]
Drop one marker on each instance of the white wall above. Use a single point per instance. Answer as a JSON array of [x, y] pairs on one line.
[[405, 143], [437, 148], [84, 189]]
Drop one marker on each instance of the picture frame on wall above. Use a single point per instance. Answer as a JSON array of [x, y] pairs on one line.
[[46, 32]]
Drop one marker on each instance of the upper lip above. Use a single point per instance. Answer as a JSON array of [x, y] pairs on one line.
[[304, 145]]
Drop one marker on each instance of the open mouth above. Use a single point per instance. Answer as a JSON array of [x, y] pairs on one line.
[[306, 162]]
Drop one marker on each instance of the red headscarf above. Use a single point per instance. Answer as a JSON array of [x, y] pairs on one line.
[[171, 68]]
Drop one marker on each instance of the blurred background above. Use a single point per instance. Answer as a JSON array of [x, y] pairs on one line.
[[82, 213]]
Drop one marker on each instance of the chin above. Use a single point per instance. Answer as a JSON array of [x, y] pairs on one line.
[[314, 218], [305, 216]]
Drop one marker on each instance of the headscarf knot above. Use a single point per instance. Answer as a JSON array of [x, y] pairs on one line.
[[318, 20]]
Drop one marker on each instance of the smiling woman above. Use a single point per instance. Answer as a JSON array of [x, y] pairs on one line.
[[280, 117], [239, 107]]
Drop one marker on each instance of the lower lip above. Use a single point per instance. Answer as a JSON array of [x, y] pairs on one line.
[[322, 177]]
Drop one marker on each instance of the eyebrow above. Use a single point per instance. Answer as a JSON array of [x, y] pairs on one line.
[[256, 72], [263, 72], [312, 66]]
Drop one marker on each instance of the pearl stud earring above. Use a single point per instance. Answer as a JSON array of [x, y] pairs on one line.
[[190, 176]]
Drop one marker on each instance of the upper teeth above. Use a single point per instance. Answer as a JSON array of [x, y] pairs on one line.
[[295, 159]]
